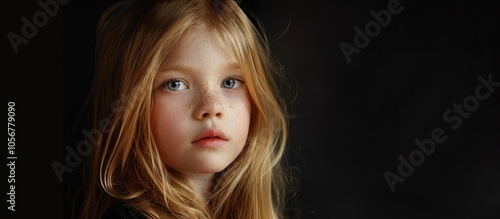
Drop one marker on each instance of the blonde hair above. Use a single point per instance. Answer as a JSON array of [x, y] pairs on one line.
[[133, 38]]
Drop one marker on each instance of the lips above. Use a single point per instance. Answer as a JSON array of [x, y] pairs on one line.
[[210, 138]]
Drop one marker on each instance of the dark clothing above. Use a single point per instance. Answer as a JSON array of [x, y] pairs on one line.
[[121, 211]]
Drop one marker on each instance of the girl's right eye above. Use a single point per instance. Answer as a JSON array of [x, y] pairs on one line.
[[175, 85]]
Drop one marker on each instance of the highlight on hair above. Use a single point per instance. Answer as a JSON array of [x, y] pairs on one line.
[[132, 39]]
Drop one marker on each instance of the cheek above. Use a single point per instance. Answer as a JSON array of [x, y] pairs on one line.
[[167, 121], [242, 113]]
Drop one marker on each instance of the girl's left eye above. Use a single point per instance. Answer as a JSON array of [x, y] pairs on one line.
[[231, 83]]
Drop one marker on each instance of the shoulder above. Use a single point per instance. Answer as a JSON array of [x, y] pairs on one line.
[[121, 211]]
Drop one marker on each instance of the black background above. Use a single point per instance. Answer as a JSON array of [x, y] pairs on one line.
[[349, 121]]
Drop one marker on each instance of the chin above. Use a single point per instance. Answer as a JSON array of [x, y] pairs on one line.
[[213, 168]]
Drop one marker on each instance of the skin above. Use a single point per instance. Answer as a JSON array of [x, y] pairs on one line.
[[200, 88]]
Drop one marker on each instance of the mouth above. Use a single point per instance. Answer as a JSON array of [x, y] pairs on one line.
[[210, 138]]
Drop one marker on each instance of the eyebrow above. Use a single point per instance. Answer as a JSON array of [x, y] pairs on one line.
[[188, 69], [177, 67]]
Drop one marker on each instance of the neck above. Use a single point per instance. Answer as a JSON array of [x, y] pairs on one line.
[[201, 183]]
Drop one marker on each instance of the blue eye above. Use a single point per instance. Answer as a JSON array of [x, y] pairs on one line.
[[175, 85], [231, 83]]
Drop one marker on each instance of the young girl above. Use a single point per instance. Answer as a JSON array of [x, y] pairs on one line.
[[192, 125]]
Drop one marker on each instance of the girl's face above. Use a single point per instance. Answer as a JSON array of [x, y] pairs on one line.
[[201, 112]]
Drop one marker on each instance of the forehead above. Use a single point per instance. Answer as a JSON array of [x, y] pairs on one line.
[[199, 51], [200, 46]]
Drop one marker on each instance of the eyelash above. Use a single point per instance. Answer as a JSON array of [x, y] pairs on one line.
[[237, 79]]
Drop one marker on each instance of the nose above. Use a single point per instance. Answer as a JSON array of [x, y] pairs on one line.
[[209, 105]]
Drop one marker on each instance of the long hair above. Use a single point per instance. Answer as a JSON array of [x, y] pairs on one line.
[[132, 39]]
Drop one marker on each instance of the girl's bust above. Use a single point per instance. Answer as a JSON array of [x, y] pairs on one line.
[[195, 124]]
